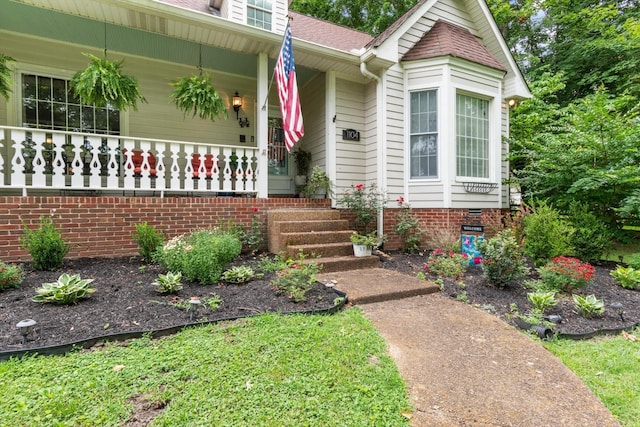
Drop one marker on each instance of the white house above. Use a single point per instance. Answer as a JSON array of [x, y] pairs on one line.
[[421, 110]]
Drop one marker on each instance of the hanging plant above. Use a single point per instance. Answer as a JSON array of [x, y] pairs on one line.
[[102, 84], [5, 75], [196, 95]]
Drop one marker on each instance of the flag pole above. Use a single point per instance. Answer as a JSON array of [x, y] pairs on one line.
[[273, 74]]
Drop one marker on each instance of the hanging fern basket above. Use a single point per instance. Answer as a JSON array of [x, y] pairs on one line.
[[195, 95], [102, 84], [5, 75]]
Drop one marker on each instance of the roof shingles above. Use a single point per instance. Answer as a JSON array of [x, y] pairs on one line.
[[325, 33], [446, 39]]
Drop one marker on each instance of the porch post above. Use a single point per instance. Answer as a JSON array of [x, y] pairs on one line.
[[262, 123]]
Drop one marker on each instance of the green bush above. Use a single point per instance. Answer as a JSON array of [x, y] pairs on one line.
[[628, 277], [201, 256], [447, 263], [45, 245], [66, 290], [633, 261], [547, 234], [566, 274], [149, 240], [408, 227], [591, 238], [11, 275], [296, 278], [502, 259]]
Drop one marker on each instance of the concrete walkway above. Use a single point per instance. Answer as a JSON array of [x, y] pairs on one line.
[[463, 366]]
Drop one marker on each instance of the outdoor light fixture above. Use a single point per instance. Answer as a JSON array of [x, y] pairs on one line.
[[619, 308], [237, 104], [25, 327], [194, 302], [512, 103]]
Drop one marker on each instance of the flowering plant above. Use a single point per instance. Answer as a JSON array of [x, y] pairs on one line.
[[364, 202], [448, 264], [408, 227], [566, 273], [296, 278], [11, 275]]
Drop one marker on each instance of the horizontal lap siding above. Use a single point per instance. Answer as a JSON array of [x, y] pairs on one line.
[[395, 132], [312, 99], [102, 226], [351, 161], [464, 78]]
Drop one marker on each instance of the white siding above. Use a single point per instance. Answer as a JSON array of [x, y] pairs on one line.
[[395, 132], [312, 99], [351, 156]]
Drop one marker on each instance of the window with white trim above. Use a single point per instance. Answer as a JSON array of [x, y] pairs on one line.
[[259, 13], [423, 137], [49, 103], [472, 136]]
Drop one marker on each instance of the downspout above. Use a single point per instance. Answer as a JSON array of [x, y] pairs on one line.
[[380, 132]]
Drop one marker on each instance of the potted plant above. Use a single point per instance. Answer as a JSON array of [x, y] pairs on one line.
[[303, 160], [5, 75], [196, 95], [363, 244], [318, 185], [102, 84]]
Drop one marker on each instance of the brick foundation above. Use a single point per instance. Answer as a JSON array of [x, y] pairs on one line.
[[102, 226]]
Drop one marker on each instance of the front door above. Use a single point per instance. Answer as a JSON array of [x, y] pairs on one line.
[[280, 180]]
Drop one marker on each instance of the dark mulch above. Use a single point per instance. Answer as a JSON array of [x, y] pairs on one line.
[[475, 289], [125, 301]]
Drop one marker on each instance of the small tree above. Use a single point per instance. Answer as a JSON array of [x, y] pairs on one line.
[[45, 245]]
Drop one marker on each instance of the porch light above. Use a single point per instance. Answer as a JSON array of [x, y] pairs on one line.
[[237, 104], [194, 302], [512, 103], [25, 327]]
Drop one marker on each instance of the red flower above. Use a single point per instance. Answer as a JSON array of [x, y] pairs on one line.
[[255, 209], [477, 260], [400, 200], [359, 187]]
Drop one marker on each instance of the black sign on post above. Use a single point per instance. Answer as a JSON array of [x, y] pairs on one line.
[[350, 135], [473, 228]]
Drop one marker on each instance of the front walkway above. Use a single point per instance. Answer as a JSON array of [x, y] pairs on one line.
[[465, 367]]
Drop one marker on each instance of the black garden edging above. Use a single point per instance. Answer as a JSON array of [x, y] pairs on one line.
[[548, 333], [90, 342]]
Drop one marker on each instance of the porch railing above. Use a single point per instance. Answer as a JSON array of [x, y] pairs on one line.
[[47, 159]]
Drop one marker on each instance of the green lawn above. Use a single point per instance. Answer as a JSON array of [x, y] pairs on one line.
[[610, 366], [269, 370]]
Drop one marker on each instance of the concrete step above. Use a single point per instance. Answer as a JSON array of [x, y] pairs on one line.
[[315, 238], [301, 221], [311, 225], [309, 214], [346, 263], [321, 249]]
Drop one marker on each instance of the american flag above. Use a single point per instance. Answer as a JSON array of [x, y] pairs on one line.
[[288, 93]]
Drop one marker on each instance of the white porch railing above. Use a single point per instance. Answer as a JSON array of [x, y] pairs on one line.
[[47, 159]]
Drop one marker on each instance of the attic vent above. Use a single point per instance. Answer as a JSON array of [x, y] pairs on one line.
[[475, 212]]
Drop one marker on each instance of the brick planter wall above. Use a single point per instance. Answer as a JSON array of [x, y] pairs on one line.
[[102, 226]]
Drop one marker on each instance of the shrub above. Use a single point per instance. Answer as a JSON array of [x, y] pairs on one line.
[[547, 235], [591, 238], [66, 290], [201, 256], [45, 245], [149, 240], [588, 306], [566, 274], [238, 274], [253, 236], [444, 238], [634, 261], [447, 263], [408, 227], [502, 259], [542, 300], [364, 202], [296, 278], [11, 275], [168, 283], [628, 277]]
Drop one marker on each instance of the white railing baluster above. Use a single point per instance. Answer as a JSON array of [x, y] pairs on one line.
[[174, 172], [18, 162], [113, 165], [58, 166], [128, 165], [160, 170]]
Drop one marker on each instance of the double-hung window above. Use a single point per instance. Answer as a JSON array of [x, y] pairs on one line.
[[472, 137], [259, 13], [424, 134], [49, 103]]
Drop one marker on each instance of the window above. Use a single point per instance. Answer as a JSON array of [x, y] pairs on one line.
[[259, 13], [424, 134], [472, 137], [48, 103]]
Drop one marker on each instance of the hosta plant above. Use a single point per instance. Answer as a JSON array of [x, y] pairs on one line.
[[542, 300], [627, 277], [66, 290], [102, 84], [588, 306], [168, 283], [238, 274], [11, 275]]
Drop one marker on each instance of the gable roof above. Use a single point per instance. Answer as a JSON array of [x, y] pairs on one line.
[[396, 24], [327, 34], [447, 39]]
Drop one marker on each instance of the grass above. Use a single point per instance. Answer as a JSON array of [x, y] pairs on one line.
[[610, 367], [269, 370]]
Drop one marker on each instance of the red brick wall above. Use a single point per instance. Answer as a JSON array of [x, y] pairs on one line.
[[102, 226]]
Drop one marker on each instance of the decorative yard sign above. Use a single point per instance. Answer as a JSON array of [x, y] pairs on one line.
[[350, 135], [469, 237]]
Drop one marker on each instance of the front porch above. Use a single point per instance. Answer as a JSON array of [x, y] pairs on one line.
[[39, 161]]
